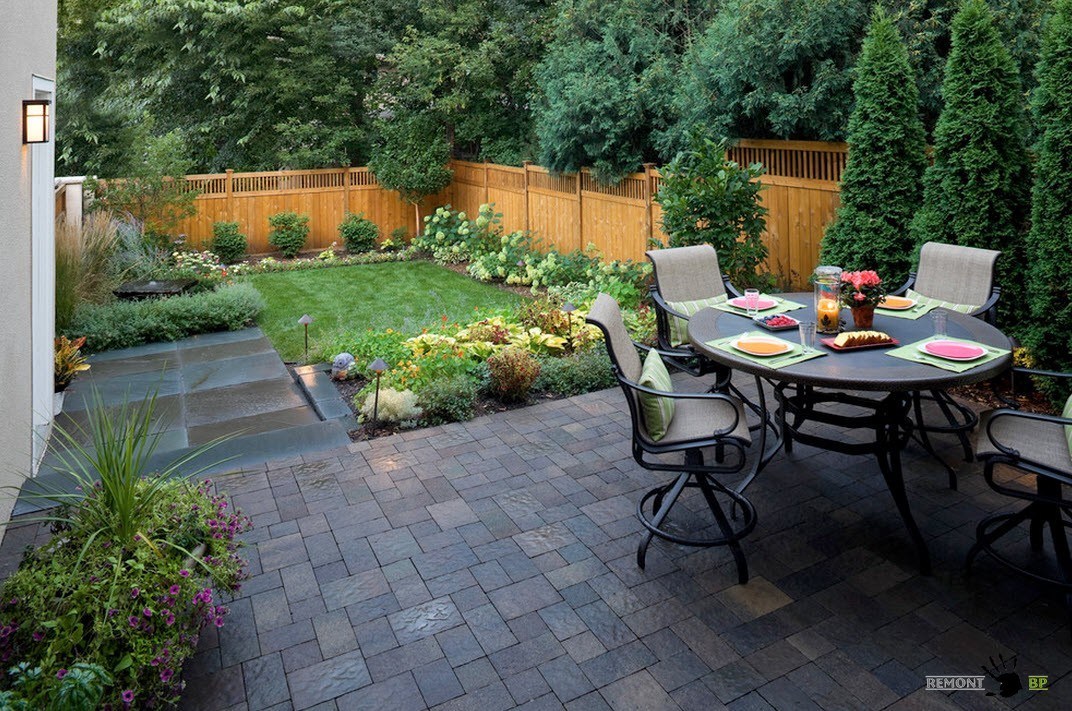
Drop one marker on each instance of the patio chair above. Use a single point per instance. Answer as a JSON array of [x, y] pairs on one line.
[[669, 423], [687, 279], [1035, 444], [960, 279]]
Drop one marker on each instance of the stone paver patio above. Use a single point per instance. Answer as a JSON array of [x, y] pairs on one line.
[[490, 564]]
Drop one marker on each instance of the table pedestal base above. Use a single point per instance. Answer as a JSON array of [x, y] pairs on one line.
[[887, 417]]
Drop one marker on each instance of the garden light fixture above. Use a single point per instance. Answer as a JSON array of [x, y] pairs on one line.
[[568, 308], [305, 320], [378, 366], [35, 121]]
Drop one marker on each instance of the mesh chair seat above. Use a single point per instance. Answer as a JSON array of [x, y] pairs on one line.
[[1039, 442], [697, 419]]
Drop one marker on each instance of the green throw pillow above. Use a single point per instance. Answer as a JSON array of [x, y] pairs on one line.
[[679, 327], [1068, 428], [658, 411]]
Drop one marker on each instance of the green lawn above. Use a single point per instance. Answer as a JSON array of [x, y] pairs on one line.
[[406, 296]]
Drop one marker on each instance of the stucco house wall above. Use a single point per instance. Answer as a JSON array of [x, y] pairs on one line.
[[27, 49]]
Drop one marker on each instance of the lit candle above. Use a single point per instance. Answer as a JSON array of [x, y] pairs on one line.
[[828, 315]]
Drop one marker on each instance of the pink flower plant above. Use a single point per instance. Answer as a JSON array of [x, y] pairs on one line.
[[862, 288]]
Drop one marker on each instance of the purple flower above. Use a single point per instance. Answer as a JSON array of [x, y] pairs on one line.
[[169, 618], [147, 612], [134, 592], [165, 676], [133, 621], [219, 621], [113, 612], [61, 673], [128, 696], [38, 635], [184, 573], [174, 589]]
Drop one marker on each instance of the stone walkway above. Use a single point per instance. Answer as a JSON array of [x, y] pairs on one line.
[[229, 384], [489, 565]]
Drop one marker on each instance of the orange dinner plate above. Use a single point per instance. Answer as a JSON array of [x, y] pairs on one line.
[[897, 303], [762, 346]]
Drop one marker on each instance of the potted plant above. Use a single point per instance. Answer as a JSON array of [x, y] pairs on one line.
[[862, 291], [69, 361]]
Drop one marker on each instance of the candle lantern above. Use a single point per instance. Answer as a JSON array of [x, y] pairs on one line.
[[827, 299]]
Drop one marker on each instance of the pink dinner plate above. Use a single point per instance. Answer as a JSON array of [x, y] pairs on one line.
[[762, 304], [953, 350]]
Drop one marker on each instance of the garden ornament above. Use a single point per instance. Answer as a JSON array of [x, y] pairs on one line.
[[340, 366]]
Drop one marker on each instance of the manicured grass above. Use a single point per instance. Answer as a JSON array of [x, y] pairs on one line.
[[406, 296]]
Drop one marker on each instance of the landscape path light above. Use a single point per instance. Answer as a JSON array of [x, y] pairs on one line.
[[378, 366], [568, 308], [305, 320]]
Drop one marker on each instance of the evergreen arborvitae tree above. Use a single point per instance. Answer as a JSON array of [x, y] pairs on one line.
[[882, 186], [976, 192], [1049, 242]]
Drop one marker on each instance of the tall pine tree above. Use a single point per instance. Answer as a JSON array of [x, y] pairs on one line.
[[882, 186], [1049, 242], [976, 193]]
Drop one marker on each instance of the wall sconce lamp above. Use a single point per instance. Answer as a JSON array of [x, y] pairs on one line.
[[35, 120]]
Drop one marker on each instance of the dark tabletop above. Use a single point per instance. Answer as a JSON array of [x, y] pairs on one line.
[[869, 369]]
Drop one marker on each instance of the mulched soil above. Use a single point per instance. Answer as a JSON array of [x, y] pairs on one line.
[[484, 405]]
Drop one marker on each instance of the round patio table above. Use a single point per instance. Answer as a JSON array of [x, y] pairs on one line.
[[848, 378]]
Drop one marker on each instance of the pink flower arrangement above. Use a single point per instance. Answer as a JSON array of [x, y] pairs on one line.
[[863, 288]]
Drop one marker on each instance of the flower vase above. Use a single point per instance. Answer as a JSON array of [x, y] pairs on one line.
[[863, 316]]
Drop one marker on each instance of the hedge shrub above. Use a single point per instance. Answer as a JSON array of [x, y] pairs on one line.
[[122, 324], [1050, 240], [358, 233], [228, 243], [882, 186], [289, 231], [976, 193]]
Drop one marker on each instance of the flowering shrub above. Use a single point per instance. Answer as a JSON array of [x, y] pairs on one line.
[[131, 607], [451, 237], [510, 262], [512, 372], [862, 288], [197, 264], [394, 406]]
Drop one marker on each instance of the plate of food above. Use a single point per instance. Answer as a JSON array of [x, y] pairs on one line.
[[762, 346], [953, 350], [856, 340], [762, 303], [779, 322], [897, 303]]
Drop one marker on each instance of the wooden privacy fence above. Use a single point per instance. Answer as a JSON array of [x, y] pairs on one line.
[[324, 195], [568, 211]]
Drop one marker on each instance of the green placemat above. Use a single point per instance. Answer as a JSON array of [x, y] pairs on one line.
[[792, 357], [783, 306], [911, 352], [911, 314]]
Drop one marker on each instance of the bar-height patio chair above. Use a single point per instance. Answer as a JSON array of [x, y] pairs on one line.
[[687, 279], [960, 279], [668, 423], [1036, 444]]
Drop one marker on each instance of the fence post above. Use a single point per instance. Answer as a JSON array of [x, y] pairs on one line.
[[525, 165], [580, 212], [649, 233], [486, 193], [345, 192], [230, 195]]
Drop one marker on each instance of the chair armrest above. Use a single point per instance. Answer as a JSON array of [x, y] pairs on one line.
[[663, 352], [987, 308], [900, 291], [1008, 412], [1045, 373], [661, 304], [733, 291]]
